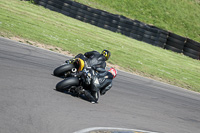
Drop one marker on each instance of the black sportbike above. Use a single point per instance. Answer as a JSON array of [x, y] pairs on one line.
[[77, 78]]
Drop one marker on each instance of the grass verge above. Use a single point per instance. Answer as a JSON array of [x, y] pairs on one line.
[[35, 23]]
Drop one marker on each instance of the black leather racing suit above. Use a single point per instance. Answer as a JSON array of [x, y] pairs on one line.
[[95, 59], [103, 84]]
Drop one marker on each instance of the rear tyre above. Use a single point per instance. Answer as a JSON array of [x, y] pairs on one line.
[[61, 70], [67, 83]]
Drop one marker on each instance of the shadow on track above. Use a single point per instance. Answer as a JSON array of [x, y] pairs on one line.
[[81, 96]]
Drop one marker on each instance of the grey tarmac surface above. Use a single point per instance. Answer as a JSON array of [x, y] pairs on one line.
[[29, 103]]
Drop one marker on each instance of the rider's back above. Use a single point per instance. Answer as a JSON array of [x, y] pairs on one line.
[[95, 59]]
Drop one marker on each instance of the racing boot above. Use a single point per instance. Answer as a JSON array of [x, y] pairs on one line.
[[95, 95]]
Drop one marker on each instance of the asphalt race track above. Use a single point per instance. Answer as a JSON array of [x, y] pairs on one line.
[[30, 104]]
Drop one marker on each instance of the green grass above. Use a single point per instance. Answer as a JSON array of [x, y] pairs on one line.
[[35, 23], [178, 16]]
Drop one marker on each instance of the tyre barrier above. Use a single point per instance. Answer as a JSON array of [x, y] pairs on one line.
[[175, 43], [192, 49], [55, 3], [42, 2], [128, 27]]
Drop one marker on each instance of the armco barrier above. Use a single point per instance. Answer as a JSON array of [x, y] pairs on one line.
[[128, 27]]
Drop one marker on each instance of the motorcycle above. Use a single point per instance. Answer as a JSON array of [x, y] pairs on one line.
[[78, 78]]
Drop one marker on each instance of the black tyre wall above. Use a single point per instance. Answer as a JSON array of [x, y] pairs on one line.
[[192, 49], [42, 2], [192, 44], [175, 43]]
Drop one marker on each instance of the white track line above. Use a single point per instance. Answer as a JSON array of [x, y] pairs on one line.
[[87, 130]]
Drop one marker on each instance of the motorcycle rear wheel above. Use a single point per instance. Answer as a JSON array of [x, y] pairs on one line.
[[67, 83], [61, 70]]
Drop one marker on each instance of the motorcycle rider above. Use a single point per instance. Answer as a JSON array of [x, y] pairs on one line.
[[96, 61]]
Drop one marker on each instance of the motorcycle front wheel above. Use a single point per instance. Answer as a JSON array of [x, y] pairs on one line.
[[61, 70], [67, 83]]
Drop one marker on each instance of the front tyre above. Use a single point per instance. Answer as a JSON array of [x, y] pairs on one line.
[[61, 70], [67, 83]]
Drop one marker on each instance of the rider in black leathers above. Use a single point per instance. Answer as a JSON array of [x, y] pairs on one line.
[[97, 62]]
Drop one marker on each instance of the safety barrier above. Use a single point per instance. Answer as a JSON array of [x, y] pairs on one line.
[[128, 27]]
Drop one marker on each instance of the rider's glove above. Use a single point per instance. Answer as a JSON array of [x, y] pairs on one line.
[[71, 61]]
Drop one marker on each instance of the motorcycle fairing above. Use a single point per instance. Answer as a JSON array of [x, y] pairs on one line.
[[81, 64]]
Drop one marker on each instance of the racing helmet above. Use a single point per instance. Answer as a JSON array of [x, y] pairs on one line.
[[113, 72], [106, 54]]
